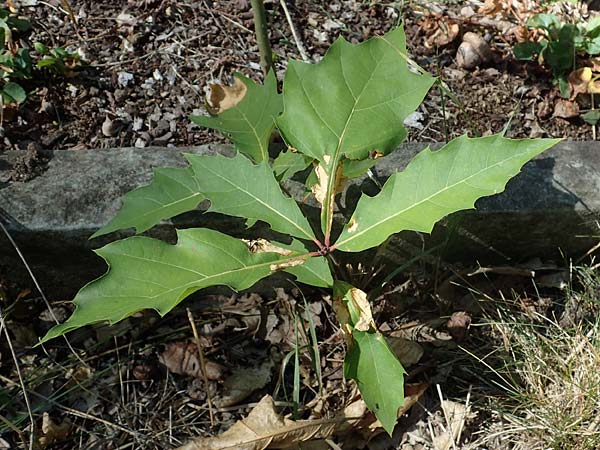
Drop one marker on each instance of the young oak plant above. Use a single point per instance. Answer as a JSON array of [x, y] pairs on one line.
[[341, 115]]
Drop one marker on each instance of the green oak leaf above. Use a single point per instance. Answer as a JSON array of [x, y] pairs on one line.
[[435, 184], [288, 163], [237, 187], [147, 273], [379, 375], [249, 124], [173, 191], [352, 103]]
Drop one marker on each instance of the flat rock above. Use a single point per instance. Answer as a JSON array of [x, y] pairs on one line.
[[547, 211]]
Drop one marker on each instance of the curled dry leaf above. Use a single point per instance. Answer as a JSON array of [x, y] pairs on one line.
[[580, 80], [265, 428], [182, 358], [359, 300], [52, 431], [223, 97], [319, 190]]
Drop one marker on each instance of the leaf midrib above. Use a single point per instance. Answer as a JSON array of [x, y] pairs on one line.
[[258, 200], [417, 204]]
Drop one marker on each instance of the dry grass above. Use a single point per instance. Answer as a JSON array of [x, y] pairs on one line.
[[551, 376]]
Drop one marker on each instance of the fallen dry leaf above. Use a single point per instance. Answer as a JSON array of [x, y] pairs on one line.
[[456, 415], [223, 97], [579, 80], [408, 352], [265, 428], [412, 394], [242, 382], [445, 33], [53, 432], [182, 358], [566, 109]]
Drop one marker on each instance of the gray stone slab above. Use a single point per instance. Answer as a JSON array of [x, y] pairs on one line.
[[550, 210]]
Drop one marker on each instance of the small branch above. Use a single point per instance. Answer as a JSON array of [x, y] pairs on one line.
[[297, 40], [262, 35], [203, 364]]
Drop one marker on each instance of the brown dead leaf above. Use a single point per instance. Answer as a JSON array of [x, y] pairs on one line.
[[52, 431], [408, 352], [566, 109], [579, 80], [242, 382], [445, 34], [456, 414], [265, 428], [182, 358], [223, 97]]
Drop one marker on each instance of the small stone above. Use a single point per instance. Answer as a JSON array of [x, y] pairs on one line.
[[473, 51], [140, 143], [110, 128]]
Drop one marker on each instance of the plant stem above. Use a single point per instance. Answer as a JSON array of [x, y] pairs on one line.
[[262, 35]]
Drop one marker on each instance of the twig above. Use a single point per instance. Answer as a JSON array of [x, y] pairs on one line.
[[203, 364], [297, 40], [21, 382], [262, 35], [38, 287]]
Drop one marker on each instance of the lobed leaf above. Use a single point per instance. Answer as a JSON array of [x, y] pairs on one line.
[[288, 163], [237, 187], [172, 191], [352, 103], [436, 184], [250, 122], [146, 273]]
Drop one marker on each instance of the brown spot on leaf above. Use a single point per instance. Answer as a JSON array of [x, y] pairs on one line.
[[287, 264], [263, 246], [223, 97], [352, 225]]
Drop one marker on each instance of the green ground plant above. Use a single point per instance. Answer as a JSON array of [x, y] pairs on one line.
[[16, 62], [560, 45], [339, 117]]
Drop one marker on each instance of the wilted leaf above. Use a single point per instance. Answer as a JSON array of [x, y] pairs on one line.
[[237, 187], [183, 358], [456, 414], [265, 428], [172, 192], [249, 122], [416, 198], [148, 273]]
